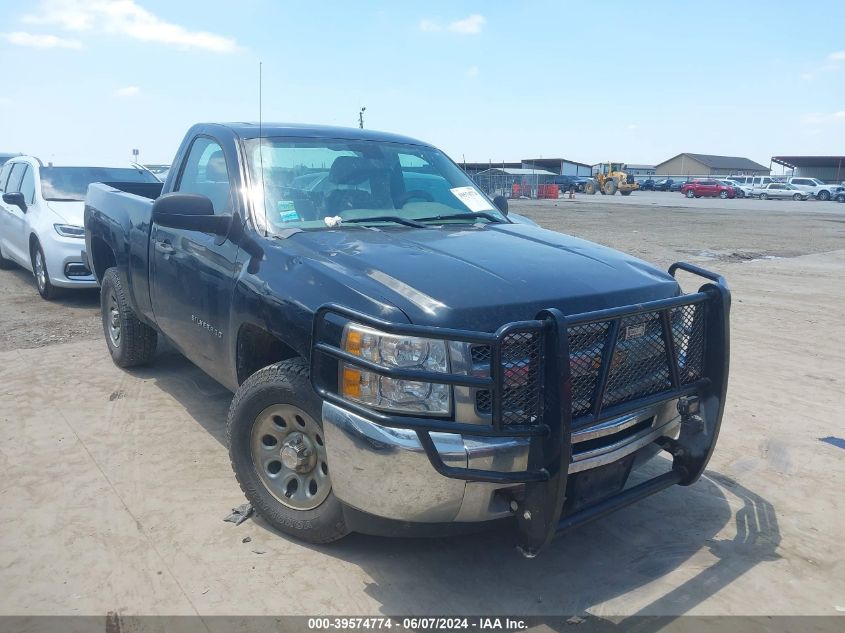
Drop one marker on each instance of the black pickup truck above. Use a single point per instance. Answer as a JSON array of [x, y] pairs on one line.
[[407, 357]]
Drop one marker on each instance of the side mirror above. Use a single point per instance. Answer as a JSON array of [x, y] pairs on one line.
[[501, 204], [190, 211], [15, 198]]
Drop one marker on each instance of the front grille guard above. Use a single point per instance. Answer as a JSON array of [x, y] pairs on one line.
[[548, 428]]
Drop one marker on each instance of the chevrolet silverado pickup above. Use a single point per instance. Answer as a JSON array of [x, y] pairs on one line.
[[406, 356]]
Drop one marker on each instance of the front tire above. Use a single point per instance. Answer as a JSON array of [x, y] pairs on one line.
[[39, 270], [797, 197], [690, 193], [723, 195], [130, 342], [278, 453], [823, 195]]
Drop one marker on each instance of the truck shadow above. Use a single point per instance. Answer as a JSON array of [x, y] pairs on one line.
[[661, 557]]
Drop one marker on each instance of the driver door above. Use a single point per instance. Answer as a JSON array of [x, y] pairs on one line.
[[13, 232], [193, 274]]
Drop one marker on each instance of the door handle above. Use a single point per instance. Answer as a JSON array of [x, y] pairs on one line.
[[164, 246]]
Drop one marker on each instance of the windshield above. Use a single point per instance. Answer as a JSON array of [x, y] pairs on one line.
[[309, 184], [71, 183]]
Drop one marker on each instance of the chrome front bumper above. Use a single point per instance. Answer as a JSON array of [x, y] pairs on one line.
[[385, 472]]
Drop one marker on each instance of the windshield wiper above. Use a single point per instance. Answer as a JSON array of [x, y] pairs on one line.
[[385, 218], [464, 216], [63, 200]]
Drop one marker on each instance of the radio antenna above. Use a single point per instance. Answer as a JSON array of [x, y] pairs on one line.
[[261, 141], [260, 99]]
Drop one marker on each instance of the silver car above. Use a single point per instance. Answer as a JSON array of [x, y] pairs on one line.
[[780, 191]]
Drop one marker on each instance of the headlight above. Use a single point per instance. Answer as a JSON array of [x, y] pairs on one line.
[[69, 230], [394, 351]]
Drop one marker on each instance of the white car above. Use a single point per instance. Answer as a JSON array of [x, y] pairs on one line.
[[780, 191], [41, 225], [814, 186]]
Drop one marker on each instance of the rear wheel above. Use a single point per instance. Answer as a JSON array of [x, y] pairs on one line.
[[590, 188], [130, 342], [278, 453], [797, 196], [764, 196], [39, 270], [5, 264]]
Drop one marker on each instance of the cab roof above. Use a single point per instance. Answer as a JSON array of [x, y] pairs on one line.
[[305, 130]]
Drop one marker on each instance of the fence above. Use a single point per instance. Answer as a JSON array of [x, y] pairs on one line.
[[516, 186]]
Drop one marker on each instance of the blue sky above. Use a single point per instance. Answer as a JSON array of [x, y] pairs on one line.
[[88, 80]]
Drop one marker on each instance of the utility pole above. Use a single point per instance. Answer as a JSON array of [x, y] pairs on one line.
[[361, 117]]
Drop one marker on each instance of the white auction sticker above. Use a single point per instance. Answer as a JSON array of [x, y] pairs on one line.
[[473, 200]]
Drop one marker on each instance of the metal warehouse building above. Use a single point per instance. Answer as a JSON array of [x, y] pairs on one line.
[[827, 168], [709, 165], [557, 166]]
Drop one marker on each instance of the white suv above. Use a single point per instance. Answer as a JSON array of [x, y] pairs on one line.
[[41, 219], [814, 186]]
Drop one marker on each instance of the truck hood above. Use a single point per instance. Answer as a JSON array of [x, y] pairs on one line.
[[481, 277], [70, 212]]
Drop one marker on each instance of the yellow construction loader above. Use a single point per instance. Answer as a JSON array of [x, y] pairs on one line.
[[611, 178]]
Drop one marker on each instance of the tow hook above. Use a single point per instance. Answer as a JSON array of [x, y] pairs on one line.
[[689, 408]]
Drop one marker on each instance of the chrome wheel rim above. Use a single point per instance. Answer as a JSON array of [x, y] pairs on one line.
[[289, 453], [113, 322], [40, 271]]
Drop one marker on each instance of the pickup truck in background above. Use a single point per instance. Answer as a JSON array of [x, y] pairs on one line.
[[406, 356]]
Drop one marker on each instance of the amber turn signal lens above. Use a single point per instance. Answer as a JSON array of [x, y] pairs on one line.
[[351, 383], [353, 342]]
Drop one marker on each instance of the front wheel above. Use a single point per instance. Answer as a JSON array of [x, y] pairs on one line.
[[823, 195], [690, 193], [723, 195], [39, 270], [278, 453], [130, 342]]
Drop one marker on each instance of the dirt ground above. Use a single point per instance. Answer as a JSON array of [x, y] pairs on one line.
[[115, 483]]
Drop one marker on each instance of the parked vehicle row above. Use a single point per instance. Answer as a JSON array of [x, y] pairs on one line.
[[795, 188]]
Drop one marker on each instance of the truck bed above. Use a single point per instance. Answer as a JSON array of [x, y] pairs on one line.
[[118, 218]]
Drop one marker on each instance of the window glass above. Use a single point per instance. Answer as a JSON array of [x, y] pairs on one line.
[[306, 183], [15, 177], [206, 173], [71, 183], [27, 187], [4, 175]]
